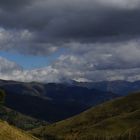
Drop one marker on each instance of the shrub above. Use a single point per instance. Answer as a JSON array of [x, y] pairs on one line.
[[2, 96]]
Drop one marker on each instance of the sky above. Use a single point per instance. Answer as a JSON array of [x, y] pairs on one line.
[[64, 40]]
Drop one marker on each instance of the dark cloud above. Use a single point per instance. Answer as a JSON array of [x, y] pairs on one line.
[[77, 20], [53, 22], [10, 5], [105, 33], [96, 24]]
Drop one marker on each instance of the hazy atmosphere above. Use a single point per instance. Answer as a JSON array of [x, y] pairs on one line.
[[82, 40]]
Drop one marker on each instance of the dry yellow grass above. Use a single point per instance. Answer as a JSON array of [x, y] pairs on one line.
[[8, 132]]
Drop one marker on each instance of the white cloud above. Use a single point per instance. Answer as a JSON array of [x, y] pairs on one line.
[[84, 62], [7, 66]]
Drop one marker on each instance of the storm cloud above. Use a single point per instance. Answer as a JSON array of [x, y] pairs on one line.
[[63, 20], [101, 38]]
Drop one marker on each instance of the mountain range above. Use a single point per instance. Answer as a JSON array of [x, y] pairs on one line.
[[70, 111], [51, 102], [119, 87]]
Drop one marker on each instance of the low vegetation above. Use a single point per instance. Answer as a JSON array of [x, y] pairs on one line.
[[2, 97], [114, 120], [8, 132], [17, 119]]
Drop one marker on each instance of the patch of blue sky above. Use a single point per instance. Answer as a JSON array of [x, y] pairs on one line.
[[30, 61]]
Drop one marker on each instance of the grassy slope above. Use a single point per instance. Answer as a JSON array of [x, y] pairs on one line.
[[19, 120], [8, 132], [111, 119]]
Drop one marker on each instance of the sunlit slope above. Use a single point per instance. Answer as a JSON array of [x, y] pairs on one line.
[[8, 132], [114, 120]]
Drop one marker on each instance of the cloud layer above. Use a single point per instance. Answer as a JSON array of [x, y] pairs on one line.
[[98, 63], [101, 38], [50, 21]]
